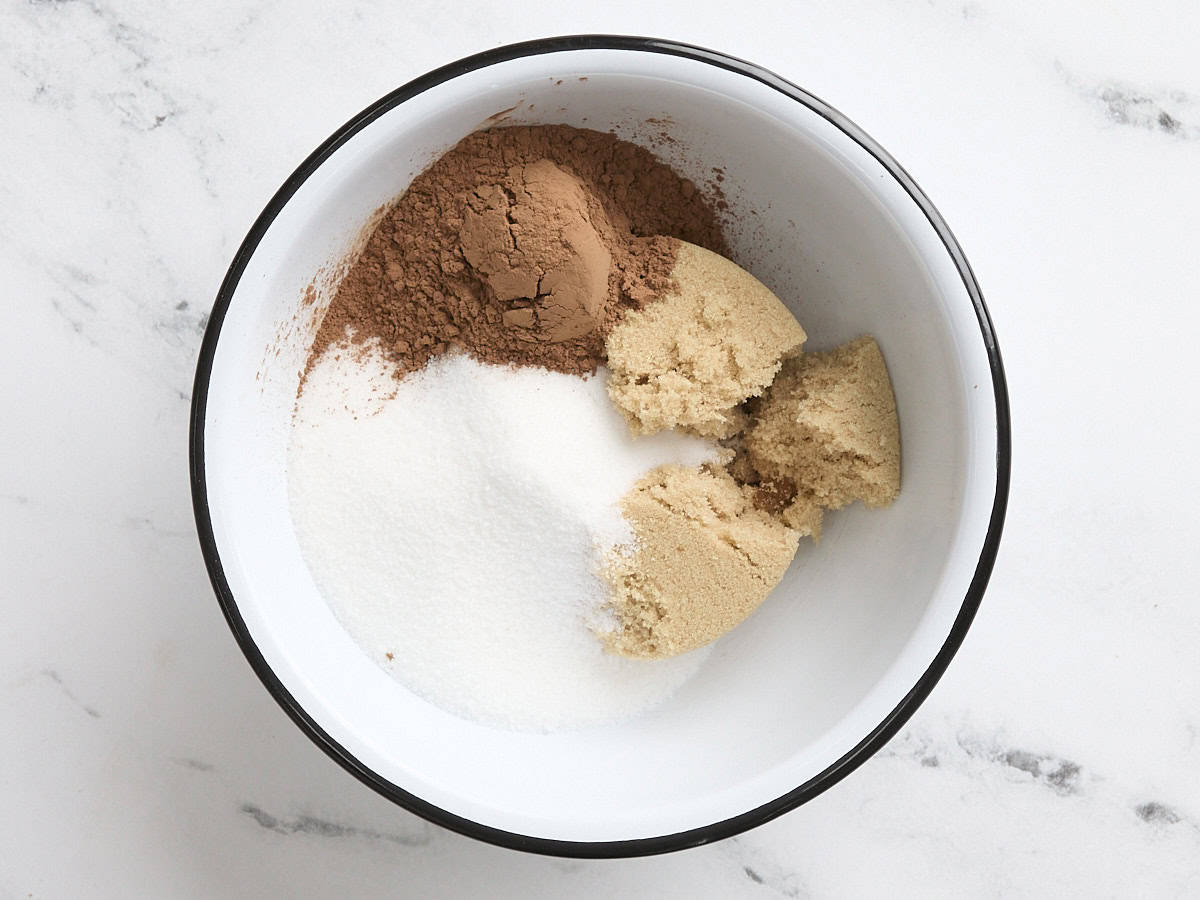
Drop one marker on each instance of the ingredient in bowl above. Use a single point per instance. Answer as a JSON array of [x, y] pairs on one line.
[[453, 522], [705, 557], [540, 249], [713, 339], [828, 425], [501, 530], [824, 434], [436, 273]]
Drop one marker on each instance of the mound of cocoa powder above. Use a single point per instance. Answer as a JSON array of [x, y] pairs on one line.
[[520, 245]]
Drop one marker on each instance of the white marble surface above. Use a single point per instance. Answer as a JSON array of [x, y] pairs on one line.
[[140, 757]]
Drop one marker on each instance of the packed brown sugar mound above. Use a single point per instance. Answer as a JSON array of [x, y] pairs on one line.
[[705, 557], [715, 338], [828, 426]]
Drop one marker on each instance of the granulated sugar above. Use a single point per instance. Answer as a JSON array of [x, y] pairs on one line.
[[455, 521]]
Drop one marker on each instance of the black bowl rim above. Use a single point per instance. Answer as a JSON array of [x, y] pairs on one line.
[[834, 773]]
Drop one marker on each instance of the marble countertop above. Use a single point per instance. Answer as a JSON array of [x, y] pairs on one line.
[[1060, 754]]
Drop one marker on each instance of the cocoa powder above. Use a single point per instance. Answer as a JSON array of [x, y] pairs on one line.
[[542, 251], [520, 245]]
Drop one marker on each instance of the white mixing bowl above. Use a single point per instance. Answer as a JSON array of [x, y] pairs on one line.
[[863, 624]]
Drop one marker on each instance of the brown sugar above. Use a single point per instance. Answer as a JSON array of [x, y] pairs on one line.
[[714, 339], [712, 544], [828, 424], [705, 558]]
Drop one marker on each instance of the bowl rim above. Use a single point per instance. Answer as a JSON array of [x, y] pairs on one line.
[[694, 837]]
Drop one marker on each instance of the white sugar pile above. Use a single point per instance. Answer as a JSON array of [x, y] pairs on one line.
[[453, 522]]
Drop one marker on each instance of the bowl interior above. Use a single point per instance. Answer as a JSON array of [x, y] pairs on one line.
[[859, 616]]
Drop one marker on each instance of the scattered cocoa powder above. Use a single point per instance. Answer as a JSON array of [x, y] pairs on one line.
[[520, 245]]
